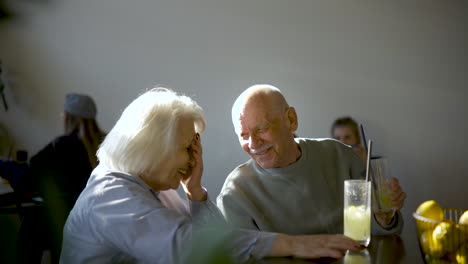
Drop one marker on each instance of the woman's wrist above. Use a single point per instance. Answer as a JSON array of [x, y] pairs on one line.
[[199, 194]]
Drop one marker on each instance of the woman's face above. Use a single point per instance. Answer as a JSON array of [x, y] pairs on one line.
[[177, 166]]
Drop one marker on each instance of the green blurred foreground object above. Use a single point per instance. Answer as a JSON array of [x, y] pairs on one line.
[[209, 245]]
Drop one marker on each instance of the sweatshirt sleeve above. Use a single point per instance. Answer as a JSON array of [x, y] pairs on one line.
[[251, 244], [395, 227], [233, 212], [240, 245]]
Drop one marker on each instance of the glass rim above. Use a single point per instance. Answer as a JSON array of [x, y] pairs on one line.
[[356, 180]]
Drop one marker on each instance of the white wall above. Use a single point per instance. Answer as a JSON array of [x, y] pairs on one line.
[[398, 67]]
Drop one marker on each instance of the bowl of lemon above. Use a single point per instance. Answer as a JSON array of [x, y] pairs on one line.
[[442, 233]]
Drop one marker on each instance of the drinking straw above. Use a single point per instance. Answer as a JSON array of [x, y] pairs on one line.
[[363, 135], [368, 167], [368, 160], [372, 176]]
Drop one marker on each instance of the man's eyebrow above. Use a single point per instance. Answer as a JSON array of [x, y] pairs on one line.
[[262, 126]]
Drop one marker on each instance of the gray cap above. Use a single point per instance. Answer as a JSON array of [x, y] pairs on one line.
[[80, 105]]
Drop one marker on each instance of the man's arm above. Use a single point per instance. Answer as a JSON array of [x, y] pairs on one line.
[[251, 244], [313, 246], [395, 226], [232, 208]]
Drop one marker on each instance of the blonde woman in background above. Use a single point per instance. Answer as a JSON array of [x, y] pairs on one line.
[[80, 119], [59, 172], [64, 165]]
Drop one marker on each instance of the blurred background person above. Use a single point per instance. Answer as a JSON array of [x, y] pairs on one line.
[[64, 165], [345, 129], [59, 173]]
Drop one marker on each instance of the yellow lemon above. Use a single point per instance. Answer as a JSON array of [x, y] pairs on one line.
[[462, 254], [447, 237], [463, 224], [429, 246], [464, 218], [431, 209], [426, 241]]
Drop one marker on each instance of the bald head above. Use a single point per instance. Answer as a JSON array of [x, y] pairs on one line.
[[265, 125], [264, 96]]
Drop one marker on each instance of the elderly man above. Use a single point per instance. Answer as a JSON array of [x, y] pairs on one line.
[[291, 185]]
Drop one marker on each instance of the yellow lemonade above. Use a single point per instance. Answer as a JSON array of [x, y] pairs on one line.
[[385, 196], [357, 257], [357, 223]]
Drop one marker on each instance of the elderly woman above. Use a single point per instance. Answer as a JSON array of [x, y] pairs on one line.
[[129, 211]]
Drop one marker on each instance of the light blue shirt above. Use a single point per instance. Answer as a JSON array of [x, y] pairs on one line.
[[119, 219]]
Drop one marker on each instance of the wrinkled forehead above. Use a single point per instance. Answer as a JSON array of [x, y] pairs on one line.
[[258, 99], [257, 104], [252, 118], [256, 114]]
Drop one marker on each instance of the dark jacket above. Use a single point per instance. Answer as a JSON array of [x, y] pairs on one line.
[[61, 169]]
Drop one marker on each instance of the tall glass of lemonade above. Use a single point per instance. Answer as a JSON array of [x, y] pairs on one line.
[[357, 210]]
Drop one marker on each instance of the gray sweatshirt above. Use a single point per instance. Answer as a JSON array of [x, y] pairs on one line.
[[305, 197]]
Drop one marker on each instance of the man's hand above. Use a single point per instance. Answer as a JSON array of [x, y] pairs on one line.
[[313, 246], [192, 184], [397, 197]]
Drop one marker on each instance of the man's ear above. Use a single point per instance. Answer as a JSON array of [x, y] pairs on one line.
[[292, 119]]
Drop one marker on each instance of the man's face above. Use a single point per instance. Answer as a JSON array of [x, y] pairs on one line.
[[266, 135], [345, 134]]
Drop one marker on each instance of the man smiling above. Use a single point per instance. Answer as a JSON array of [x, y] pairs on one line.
[[290, 185]]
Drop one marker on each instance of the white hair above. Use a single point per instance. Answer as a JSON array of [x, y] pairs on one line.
[[145, 134]]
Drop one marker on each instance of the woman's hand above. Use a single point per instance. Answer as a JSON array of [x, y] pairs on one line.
[[313, 246], [192, 183]]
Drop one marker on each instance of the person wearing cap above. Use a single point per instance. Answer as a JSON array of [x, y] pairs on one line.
[[71, 157], [61, 169]]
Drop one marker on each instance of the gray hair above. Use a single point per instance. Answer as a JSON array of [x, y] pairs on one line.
[[145, 134]]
